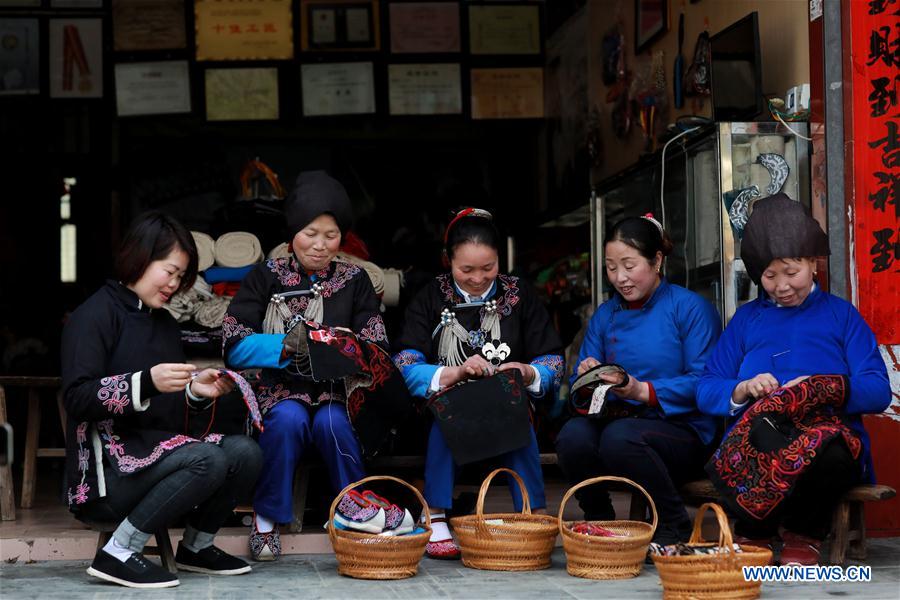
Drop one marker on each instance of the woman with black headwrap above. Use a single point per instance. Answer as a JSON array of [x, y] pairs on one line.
[[795, 369], [267, 325]]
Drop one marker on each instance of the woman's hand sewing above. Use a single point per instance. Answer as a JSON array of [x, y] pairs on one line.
[[587, 364], [210, 383], [757, 387], [527, 371], [475, 367], [171, 377]]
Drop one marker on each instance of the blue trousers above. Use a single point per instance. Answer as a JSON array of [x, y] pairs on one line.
[[659, 455], [440, 472], [290, 429]]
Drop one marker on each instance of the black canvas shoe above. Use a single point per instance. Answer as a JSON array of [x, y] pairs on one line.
[[210, 560], [136, 572]]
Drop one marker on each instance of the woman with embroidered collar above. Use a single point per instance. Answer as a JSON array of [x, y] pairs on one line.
[[342, 418], [648, 428], [141, 445], [469, 324], [795, 369]]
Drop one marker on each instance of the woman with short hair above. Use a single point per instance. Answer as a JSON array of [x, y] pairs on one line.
[[139, 447]]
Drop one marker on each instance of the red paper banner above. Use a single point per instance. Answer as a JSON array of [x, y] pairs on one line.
[[875, 78]]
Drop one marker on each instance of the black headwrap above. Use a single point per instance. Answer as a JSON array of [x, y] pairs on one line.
[[316, 193], [780, 228]]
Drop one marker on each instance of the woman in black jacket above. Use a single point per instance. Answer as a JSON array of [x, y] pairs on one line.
[[139, 447]]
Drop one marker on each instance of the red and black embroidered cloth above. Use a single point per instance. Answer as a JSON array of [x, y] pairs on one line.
[[776, 440]]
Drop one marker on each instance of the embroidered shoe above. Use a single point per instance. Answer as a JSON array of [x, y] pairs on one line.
[[397, 521], [136, 572], [446, 549], [358, 514], [800, 549], [210, 560], [264, 546]]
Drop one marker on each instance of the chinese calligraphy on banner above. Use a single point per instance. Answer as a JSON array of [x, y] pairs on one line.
[[241, 30], [875, 56]]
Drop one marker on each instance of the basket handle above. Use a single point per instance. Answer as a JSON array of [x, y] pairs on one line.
[[725, 539], [337, 499], [479, 506], [592, 481]]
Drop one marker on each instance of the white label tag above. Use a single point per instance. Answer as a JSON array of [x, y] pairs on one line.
[[598, 398], [815, 9]]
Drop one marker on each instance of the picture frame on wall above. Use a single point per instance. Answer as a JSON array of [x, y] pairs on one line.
[[651, 20], [76, 58], [19, 57], [339, 25]]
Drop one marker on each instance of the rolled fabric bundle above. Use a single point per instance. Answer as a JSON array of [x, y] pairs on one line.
[[372, 270], [238, 249], [393, 281], [280, 251], [184, 304], [206, 256], [216, 275], [210, 313]]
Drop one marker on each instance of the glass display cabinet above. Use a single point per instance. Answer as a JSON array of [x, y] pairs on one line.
[[702, 187]]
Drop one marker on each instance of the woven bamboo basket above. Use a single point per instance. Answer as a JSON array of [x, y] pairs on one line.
[[522, 542], [711, 575], [595, 557], [368, 556]]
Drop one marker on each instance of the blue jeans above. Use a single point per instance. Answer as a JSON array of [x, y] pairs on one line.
[[203, 481], [659, 455]]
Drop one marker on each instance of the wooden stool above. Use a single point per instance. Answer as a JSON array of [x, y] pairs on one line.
[[848, 525], [32, 433], [162, 549]]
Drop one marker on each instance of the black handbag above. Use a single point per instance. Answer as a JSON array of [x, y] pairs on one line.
[[483, 418]]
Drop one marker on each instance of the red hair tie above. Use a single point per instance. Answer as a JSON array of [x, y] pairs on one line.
[[466, 212]]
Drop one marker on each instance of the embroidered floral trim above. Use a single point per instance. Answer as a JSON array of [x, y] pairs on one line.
[[231, 328], [343, 273], [329, 397], [214, 438], [507, 297], [374, 331], [129, 464], [79, 494], [258, 541], [298, 304], [510, 297], [269, 396], [555, 363], [114, 393], [284, 269], [406, 358]]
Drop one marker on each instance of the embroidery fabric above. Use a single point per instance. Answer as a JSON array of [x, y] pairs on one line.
[[758, 480]]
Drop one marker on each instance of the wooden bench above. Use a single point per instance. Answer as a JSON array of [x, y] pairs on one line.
[[374, 465], [848, 524], [32, 432]]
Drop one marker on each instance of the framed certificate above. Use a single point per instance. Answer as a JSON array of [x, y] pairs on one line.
[[19, 57], [148, 25], [153, 88], [497, 29], [241, 30], [241, 94], [424, 27], [339, 25], [338, 89], [424, 89], [76, 58], [508, 93]]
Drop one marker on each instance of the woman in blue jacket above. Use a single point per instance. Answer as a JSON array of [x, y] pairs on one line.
[[795, 369], [651, 430]]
